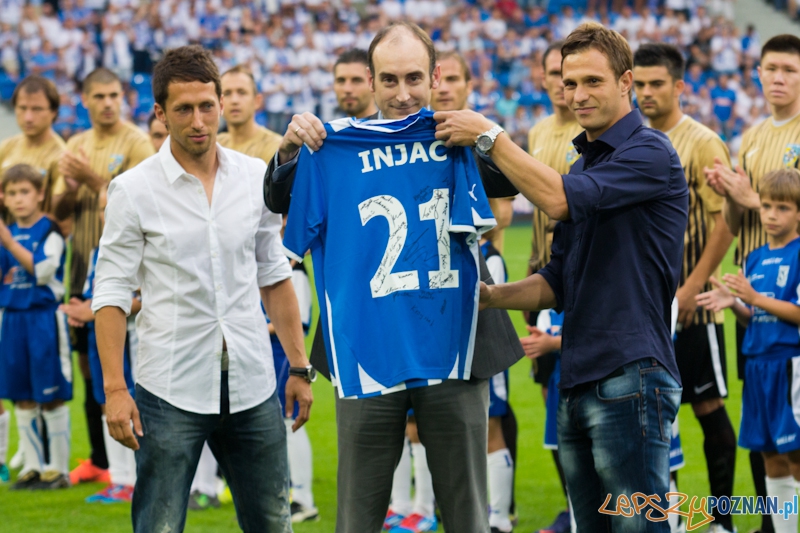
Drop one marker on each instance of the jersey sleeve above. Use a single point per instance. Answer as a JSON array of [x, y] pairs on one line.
[[302, 288], [5, 264], [543, 321], [307, 211], [88, 284], [470, 211], [47, 258], [4, 150], [140, 150], [705, 154], [794, 283], [496, 268], [57, 184]]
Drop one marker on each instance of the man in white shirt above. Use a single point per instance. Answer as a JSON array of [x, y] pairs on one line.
[[189, 227]]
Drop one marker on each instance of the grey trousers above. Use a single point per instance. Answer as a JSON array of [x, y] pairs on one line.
[[452, 420]]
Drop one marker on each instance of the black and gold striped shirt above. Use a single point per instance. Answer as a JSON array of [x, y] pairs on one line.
[[697, 146], [263, 145], [44, 158], [109, 156], [767, 146], [552, 145]]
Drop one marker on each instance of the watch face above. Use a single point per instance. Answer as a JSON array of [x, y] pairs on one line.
[[484, 143]]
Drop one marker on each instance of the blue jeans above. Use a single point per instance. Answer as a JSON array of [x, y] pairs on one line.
[[250, 447], [613, 438]]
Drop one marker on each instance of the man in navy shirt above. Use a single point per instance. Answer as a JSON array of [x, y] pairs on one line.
[[614, 271]]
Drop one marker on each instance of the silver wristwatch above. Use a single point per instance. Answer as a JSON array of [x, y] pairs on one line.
[[485, 140]]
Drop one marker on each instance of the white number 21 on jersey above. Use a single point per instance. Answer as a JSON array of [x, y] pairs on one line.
[[385, 282]]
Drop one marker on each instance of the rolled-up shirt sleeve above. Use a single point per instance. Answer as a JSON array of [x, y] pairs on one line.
[[553, 272], [632, 176], [121, 253], [272, 263]]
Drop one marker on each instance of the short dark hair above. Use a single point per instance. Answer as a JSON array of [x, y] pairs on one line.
[[661, 55], [354, 55], [152, 118], [782, 185], [415, 30], [34, 84], [22, 172], [554, 46], [452, 54], [184, 64], [786, 43], [242, 69], [99, 75], [606, 41]]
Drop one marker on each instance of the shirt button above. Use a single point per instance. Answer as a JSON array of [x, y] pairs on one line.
[[214, 254], [219, 287]]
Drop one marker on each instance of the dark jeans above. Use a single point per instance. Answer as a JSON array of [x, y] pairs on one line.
[[613, 438], [452, 420], [250, 447]]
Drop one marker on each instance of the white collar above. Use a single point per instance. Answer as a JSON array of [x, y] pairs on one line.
[[174, 170]]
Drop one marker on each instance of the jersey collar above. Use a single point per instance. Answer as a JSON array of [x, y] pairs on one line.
[[385, 125], [173, 170]]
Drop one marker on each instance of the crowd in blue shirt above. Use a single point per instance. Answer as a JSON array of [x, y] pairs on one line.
[[291, 46]]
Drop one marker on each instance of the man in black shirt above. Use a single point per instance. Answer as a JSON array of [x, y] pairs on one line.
[[614, 270]]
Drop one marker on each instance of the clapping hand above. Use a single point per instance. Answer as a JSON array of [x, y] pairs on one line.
[[740, 287], [727, 182], [78, 312], [718, 299], [74, 167], [538, 343]]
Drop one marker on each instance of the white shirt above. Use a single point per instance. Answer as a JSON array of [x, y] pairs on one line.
[[199, 268]]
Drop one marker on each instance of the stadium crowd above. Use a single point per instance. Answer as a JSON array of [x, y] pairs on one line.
[[291, 46]]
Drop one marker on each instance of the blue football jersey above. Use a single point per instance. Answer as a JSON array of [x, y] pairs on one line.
[[776, 274], [88, 285], [550, 322], [391, 216], [44, 288], [494, 262]]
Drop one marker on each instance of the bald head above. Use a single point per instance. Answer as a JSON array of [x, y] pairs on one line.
[[400, 33], [402, 70]]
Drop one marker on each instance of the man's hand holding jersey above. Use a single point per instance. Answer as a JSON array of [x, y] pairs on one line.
[[461, 128], [303, 129]]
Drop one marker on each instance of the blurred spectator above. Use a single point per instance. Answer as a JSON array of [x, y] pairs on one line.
[[290, 47], [507, 104], [723, 98]]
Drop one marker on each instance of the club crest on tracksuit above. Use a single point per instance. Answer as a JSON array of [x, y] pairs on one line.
[[790, 155]]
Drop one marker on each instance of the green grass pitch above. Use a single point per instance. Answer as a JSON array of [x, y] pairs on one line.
[[538, 493]]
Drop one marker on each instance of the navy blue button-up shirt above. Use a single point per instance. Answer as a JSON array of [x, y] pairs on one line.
[[616, 263]]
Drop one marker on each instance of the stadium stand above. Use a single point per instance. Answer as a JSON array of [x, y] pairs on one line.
[[291, 45]]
